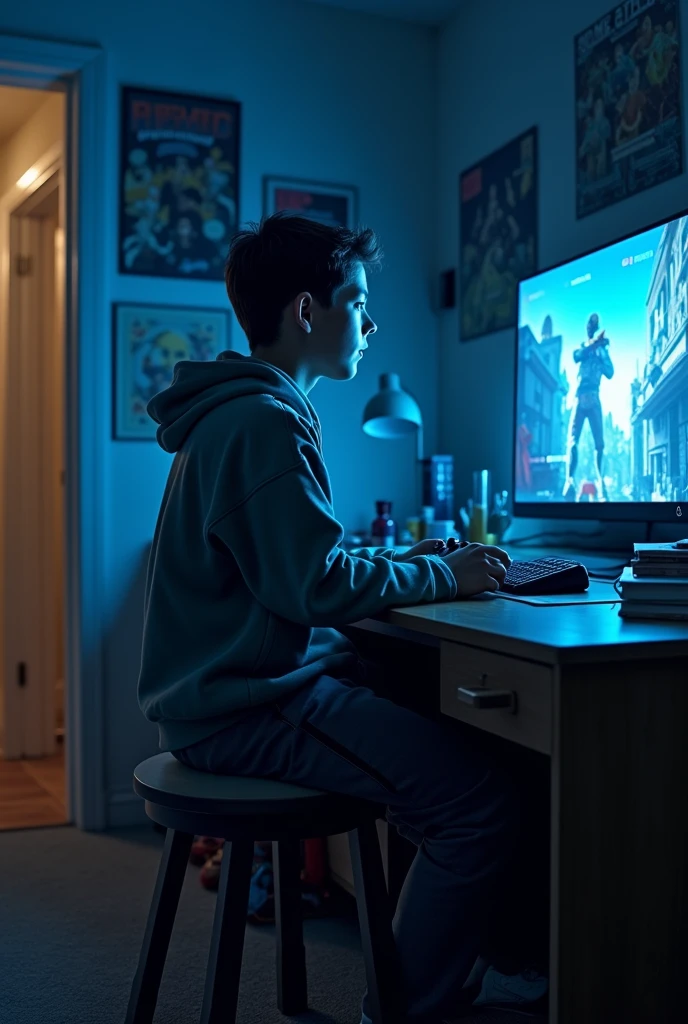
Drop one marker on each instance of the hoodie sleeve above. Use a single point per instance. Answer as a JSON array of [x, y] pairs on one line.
[[364, 553], [286, 541]]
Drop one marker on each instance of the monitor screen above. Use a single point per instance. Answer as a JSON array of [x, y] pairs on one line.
[[601, 409]]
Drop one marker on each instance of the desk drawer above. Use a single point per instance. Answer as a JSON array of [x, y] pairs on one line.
[[527, 684]]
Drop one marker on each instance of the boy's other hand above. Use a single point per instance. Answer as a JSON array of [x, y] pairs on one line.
[[477, 568], [432, 546]]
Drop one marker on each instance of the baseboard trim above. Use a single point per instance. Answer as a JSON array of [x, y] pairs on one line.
[[343, 883], [125, 808]]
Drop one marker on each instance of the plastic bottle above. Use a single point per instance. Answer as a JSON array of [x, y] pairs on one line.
[[477, 533], [383, 529]]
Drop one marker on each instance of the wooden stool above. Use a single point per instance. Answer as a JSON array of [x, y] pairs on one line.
[[244, 810]]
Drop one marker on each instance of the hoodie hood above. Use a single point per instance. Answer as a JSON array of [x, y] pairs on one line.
[[198, 387]]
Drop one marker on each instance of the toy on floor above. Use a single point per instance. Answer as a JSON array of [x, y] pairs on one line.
[[261, 901]]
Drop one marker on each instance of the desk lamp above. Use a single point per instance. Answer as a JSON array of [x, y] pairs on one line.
[[393, 413]]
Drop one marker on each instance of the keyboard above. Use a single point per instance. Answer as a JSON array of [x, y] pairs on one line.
[[545, 576]]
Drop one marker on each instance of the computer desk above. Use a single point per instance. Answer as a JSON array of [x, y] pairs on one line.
[[606, 701]]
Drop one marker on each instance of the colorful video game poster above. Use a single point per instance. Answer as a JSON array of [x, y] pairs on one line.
[[148, 342], [179, 182], [629, 133], [498, 235]]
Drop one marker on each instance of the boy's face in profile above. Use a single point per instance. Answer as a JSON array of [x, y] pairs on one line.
[[338, 335]]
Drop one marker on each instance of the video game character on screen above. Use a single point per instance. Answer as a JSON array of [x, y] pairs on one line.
[[594, 362]]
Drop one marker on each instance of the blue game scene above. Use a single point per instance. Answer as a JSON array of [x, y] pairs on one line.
[[602, 375]]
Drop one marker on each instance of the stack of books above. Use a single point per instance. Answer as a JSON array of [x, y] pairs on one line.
[[655, 585]]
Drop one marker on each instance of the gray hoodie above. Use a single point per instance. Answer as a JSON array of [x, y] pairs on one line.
[[247, 580]]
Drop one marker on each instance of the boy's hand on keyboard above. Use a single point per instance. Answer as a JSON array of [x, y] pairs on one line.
[[477, 568]]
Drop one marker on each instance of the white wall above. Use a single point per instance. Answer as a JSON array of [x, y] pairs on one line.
[[503, 67], [325, 94]]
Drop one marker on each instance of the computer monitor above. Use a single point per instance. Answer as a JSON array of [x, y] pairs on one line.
[[601, 405]]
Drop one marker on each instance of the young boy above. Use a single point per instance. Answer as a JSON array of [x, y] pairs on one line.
[[243, 668]]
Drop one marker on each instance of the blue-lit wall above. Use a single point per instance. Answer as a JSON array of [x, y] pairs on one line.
[[398, 110], [504, 67], [326, 94]]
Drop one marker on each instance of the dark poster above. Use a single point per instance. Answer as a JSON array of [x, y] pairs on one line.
[[498, 203], [179, 176], [334, 205], [629, 133]]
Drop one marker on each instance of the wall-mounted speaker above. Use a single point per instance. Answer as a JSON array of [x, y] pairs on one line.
[[448, 289]]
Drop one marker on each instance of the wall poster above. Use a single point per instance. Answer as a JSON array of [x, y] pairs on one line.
[[179, 183], [498, 235], [629, 133]]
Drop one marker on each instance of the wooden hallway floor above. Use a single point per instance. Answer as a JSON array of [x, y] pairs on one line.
[[32, 792]]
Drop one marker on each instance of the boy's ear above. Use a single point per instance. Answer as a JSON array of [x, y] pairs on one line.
[[305, 309]]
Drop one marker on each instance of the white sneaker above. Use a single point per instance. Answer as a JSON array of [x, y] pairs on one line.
[[502, 991], [516, 991], [478, 972]]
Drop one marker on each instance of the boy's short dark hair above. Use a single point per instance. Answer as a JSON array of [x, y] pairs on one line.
[[270, 263]]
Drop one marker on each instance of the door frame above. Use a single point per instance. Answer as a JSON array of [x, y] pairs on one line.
[[80, 71]]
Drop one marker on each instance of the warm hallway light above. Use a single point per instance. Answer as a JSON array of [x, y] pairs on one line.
[[28, 178]]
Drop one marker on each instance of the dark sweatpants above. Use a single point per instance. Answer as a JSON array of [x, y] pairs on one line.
[[445, 796]]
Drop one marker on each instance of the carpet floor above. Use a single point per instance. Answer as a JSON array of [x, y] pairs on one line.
[[73, 907]]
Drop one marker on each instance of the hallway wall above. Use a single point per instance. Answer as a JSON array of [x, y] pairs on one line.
[[42, 130]]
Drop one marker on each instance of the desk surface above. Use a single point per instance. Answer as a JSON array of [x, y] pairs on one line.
[[552, 634]]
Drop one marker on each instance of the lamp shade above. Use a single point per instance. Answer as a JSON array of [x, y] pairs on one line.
[[392, 412]]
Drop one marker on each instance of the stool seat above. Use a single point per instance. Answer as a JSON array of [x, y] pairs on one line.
[[165, 780], [230, 806]]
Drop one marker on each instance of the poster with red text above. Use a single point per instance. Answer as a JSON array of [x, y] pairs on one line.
[[179, 184]]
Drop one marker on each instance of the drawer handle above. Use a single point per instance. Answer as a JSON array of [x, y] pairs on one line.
[[487, 699]]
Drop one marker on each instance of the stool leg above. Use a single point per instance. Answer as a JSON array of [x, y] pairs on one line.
[[156, 940], [292, 990], [383, 975], [229, 925]]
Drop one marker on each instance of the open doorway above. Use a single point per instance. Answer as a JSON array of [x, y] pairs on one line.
[[78, 71], [32, 452]]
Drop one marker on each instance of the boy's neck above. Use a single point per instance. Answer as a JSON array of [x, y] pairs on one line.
[[288, 363]]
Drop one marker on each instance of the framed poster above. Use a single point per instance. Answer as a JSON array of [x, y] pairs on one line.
[[629, 133], [498, 235], [335, 205], [148, 342], [178, 184]]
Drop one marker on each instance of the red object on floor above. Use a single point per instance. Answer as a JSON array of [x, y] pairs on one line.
[[210, 872], [314, 861], [203, 848]]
